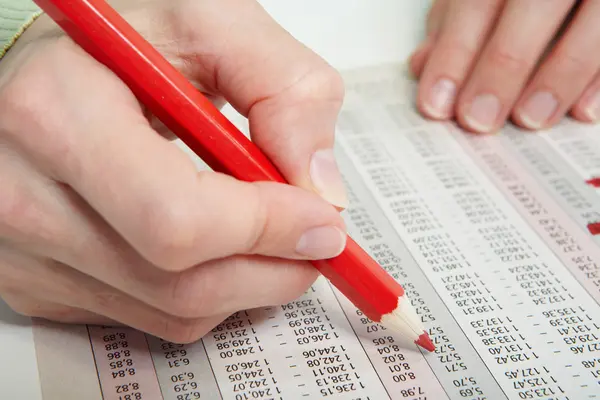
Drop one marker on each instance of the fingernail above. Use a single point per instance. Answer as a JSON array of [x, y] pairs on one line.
[[326, 178], [538, 109], [483, 113], [592, 110], [441, 98], [321, 243]]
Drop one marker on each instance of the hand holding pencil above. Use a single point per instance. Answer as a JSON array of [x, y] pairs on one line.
[[123, 209]]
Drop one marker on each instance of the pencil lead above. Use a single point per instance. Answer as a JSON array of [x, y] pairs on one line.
[[425, 342], [405, 320]]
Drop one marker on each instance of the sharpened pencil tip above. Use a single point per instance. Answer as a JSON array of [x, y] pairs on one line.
[[425, 342]]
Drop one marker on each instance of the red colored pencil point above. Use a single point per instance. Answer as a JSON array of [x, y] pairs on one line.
[[425, 342], [100, 30], [594, 228], [595, 182]]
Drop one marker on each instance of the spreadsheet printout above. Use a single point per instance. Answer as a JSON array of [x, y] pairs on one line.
[[495, 238]]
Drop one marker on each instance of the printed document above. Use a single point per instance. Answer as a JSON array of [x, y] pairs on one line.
[[495, 238]]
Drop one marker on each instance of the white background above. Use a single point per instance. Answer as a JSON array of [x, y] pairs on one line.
[[354, 33], [346, 33]]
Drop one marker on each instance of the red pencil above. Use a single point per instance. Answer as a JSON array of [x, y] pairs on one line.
[[105, 35]]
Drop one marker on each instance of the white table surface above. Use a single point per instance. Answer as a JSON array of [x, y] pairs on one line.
[[354, 33], [346, 33]]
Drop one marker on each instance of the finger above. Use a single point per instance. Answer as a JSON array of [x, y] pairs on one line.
[[435, 17], [587, 107], [24, 304], [147, 188], [138, 317], [290, 95], [419, 58], [221, 286], [28, 206], [38, 216], [507, 60], [465, 28], [565, 74], [63, 228], [54, 282]]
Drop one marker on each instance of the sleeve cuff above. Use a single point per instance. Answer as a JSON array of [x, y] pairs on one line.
[[15, 17]]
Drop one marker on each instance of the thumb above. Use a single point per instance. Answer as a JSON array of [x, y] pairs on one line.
[[291, 96]]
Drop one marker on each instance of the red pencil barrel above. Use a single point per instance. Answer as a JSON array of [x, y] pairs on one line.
[[360, 278], [101, 31]]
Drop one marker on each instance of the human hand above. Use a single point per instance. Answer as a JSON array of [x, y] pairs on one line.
[[103, 220], [532, 61]]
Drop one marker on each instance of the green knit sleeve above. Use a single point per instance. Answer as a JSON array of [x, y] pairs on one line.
[[15, 17]]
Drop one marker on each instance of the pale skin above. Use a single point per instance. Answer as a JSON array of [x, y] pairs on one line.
[[488, 61], [104, 221]]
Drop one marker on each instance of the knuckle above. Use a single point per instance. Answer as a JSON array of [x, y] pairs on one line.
[[321, 83], [31, 110], [102, 299], [181, 330], [189, 294], [457, 49], [574, 64], [27, 91], [21, 102], [507, 60], [24, 217], [485, 7], [167, 234], [262, 222], [18, 211]]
